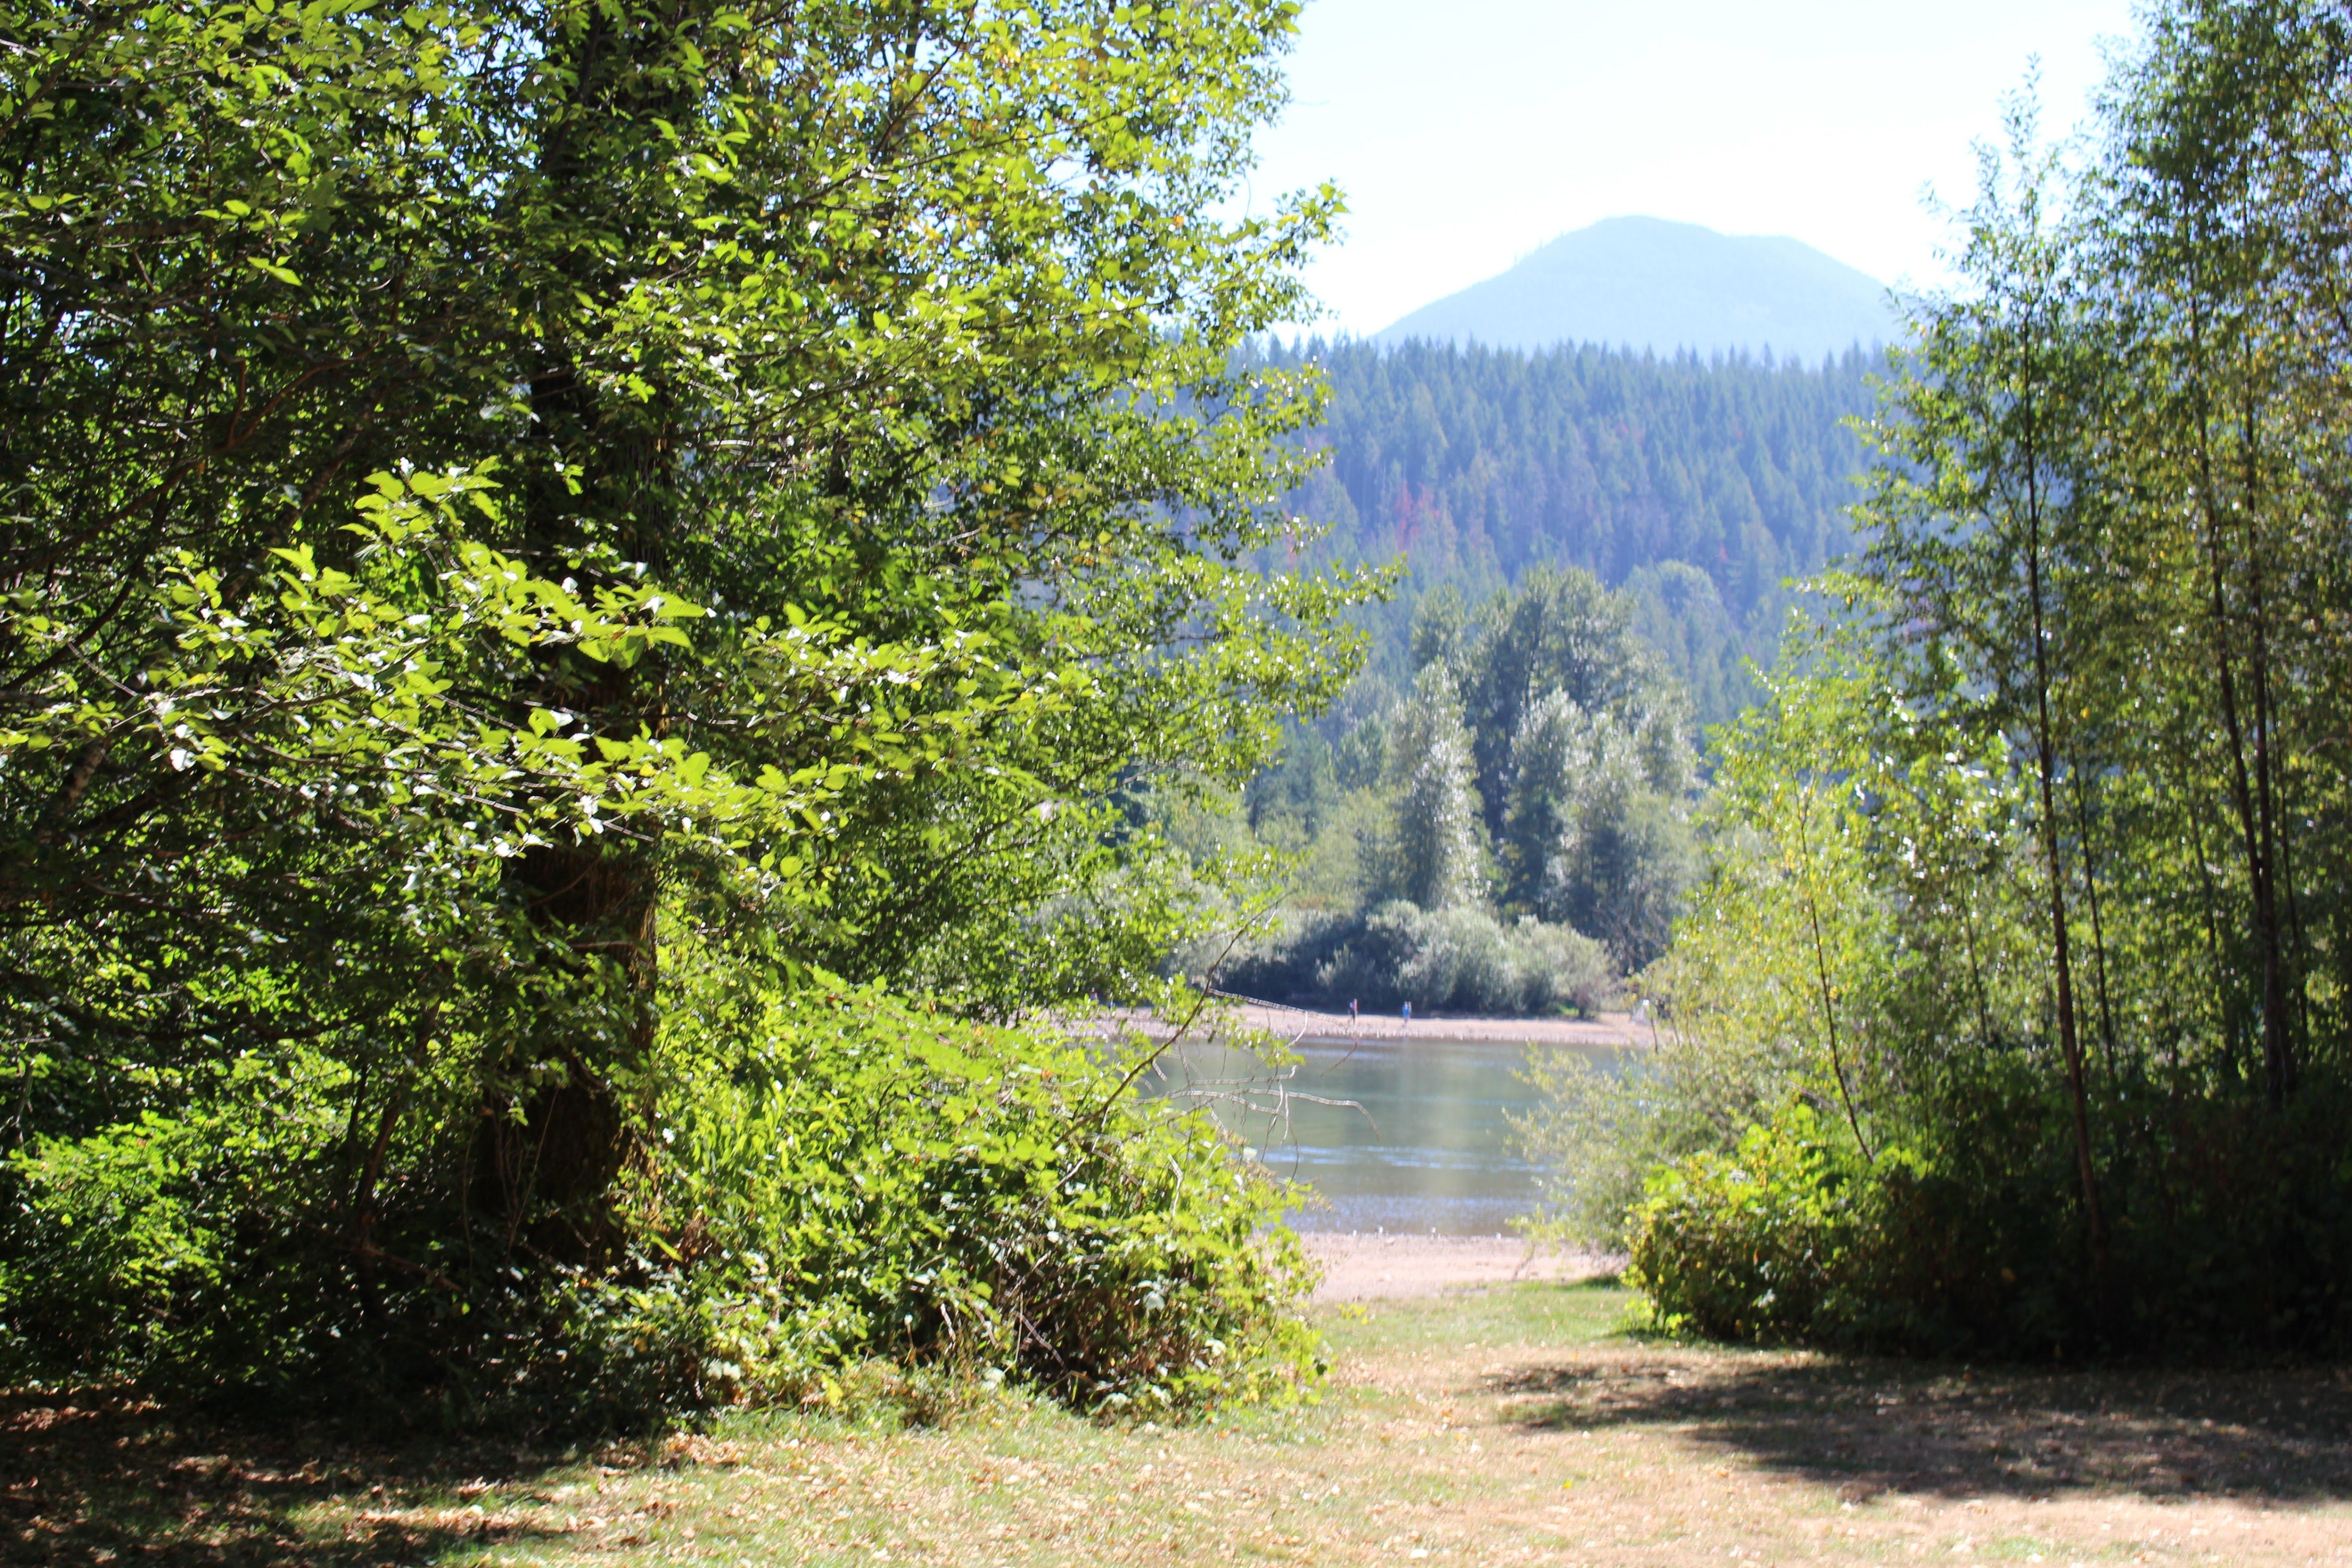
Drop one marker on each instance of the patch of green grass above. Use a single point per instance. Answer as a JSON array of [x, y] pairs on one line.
[[1507, 1422], [1528, 1315]]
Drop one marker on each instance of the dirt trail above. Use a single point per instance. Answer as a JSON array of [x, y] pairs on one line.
[[1511, 1424]]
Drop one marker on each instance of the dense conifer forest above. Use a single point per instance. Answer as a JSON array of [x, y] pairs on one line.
[[1597, 549], [1701, 485]]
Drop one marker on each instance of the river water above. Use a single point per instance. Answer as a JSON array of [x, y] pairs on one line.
[[1396, 1134]]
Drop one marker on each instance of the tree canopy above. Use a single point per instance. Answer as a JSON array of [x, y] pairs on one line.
[[507, 498]]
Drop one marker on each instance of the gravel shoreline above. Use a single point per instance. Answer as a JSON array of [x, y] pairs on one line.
[[1366, 1268], [1613, 1031]]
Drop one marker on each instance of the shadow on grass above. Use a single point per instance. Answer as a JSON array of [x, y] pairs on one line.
[[1867, 1426], [102, 1477]]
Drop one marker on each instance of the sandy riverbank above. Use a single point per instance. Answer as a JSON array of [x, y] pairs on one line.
[[1360, 1267], [1610, 1031]]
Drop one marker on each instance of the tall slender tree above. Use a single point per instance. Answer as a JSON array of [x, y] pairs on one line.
[[1993, 548]]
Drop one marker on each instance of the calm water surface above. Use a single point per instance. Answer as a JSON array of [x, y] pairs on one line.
[[1394, 1134]]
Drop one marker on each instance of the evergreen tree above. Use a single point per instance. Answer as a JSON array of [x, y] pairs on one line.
[[1596, 839], [1440, 848]]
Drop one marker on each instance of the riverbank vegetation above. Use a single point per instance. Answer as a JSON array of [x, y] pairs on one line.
[[580, 584], [2012, 1018], [1508, 835], [608, 614]]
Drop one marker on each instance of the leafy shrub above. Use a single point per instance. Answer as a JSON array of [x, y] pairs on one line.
[[2217, 1245], [880, 1181], [1460, 958], [1795, 1237], [1464, 959], [1596, 1132], [1747, 1245], [1593, 1135], [825, 1179], [178, 1250]]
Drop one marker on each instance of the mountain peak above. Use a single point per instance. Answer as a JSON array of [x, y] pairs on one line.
[[1648, 283]]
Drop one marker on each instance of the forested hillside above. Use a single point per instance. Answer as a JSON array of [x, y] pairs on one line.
[[1701, 485], [1596, 543]]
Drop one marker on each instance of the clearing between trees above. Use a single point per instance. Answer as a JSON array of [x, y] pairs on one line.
[[1518, 1425]]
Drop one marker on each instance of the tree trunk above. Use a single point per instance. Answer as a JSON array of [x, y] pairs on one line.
[[2253, 822], [2069, 1043], [2278, 1044], [554, 1148], [2227, 1012], [2098, 928], [1822, 973]]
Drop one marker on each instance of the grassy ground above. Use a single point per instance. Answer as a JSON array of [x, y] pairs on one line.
[[1516, 1426]]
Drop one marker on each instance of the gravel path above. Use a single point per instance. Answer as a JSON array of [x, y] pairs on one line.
[[1359, 1268]]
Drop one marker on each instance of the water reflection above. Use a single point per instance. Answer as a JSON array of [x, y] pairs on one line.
[[1401, 1134]]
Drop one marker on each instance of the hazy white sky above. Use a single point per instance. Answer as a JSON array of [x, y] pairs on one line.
[[1466, 133]]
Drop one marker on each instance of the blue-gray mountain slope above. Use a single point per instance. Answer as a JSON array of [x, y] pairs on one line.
[[1646, 283]]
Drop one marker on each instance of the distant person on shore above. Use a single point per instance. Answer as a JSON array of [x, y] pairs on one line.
[[1352, 1020], [1408, 1014]]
